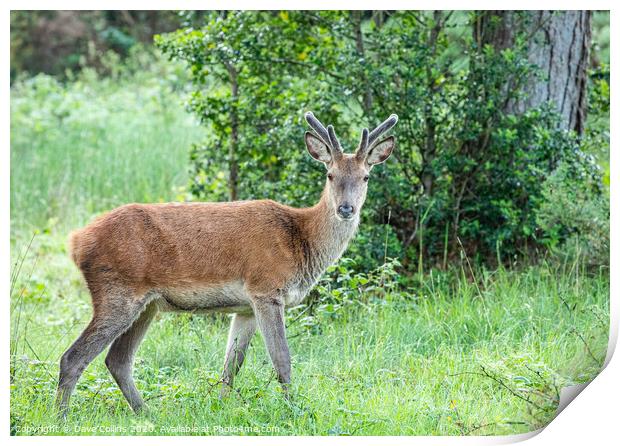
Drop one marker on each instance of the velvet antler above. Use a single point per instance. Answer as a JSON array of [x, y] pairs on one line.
[[368, 140], [327, 135]]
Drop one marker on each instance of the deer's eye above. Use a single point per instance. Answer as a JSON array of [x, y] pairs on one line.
[[366, 178], [330, 176]]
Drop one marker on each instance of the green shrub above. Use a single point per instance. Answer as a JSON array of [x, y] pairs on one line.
[[575, 219], [465, 174]]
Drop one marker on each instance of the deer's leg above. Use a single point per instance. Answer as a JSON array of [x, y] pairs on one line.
[[114, 313], [120, 358], [242, 329], [270, 317]]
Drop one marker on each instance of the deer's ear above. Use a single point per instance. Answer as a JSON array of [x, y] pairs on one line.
[[317, 148], [381, 151]]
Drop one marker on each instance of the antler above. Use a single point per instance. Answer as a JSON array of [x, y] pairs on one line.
[[368, 140], [328, 136], [363, 143]]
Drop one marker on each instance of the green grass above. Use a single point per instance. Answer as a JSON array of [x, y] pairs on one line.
[[91, 145], [424, 362], [447, 356]]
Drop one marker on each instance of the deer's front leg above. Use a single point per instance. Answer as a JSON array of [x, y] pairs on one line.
[[269, 313], [242, 329]]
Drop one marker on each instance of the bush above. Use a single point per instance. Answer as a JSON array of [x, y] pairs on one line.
[[464, 174], [574, 219]]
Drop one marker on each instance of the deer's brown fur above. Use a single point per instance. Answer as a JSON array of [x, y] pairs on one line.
[[168, 247]]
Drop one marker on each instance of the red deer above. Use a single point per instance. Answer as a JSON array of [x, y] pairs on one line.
[[248, 258]]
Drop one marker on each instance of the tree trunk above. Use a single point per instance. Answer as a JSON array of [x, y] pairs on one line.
[[559, 46], [356, 17]]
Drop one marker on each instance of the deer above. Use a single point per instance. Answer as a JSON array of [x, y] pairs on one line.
[[251, 259]]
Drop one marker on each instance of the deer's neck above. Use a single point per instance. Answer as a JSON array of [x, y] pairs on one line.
[[327, 237], [327, 231]]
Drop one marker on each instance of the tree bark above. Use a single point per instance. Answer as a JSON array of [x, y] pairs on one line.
[[359, 45], [559, 45]]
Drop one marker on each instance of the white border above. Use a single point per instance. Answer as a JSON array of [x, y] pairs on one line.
[[593, 417]]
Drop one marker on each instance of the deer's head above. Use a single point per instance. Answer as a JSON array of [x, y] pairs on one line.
[[348, 174]]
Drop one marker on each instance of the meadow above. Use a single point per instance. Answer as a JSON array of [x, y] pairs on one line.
[[466, 351]]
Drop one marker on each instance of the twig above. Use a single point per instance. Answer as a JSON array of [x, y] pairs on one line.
[[565, 303], [480, 426], [298, 317], [586, 346], [501, 383]]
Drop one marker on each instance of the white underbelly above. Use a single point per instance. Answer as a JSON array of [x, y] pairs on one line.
[[295, 296], [228, 298]]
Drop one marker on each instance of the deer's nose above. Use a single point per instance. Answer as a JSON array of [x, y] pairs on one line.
[[345, 210]]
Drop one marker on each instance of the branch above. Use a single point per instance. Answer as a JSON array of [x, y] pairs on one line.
[[501, 383], [298, 63], [586, 345]]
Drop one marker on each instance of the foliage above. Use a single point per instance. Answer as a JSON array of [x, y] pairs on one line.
[[575, 220], [251, 99], [372, 352], [61, 42], [342, 288], [465, 173], [597, 130], [600, 37]]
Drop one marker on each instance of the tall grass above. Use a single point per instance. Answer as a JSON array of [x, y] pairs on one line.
[[86, 146], [449, 356]]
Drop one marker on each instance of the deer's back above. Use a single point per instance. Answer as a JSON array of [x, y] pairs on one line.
[[258, 244]]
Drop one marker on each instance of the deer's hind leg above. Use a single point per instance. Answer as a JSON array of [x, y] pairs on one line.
[[115, 308], [120, 358]]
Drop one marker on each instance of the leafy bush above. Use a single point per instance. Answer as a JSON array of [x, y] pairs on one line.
[[575, 220], [465, 174], [342, 290]]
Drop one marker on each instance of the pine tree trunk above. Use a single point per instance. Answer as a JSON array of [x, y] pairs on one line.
[[560, 47]]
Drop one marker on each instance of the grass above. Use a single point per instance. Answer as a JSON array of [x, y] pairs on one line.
[[93, 144], [450, 358], [450, 355]]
